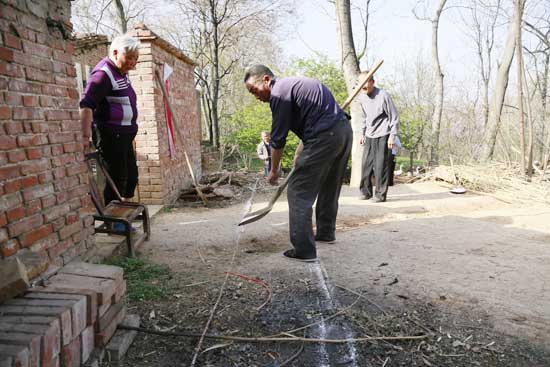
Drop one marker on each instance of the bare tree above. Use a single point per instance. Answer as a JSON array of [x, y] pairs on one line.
[[108, 17], [482, 22], [219, 33], [350, 66], [540, 54], [519, 53], [501, 86], [439, 87]]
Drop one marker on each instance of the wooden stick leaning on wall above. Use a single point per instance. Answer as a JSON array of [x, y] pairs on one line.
[[191, 172]]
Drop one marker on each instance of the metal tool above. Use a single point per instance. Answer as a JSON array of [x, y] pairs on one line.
[[259, 214]]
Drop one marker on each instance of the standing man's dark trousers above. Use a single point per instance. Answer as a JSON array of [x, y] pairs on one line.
[[376, 161], [320, 170], [117, 151]]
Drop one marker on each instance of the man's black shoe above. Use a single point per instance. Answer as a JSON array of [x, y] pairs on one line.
[[364, 197], [379, 200], [291, 254], [327, 239]]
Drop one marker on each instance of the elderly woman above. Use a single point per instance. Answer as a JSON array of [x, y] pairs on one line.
[[109, 101]]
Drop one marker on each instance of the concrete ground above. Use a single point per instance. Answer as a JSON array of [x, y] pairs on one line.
[[457, 251]]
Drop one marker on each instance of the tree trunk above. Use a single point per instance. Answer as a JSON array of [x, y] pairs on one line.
[[545, 152], [123, 22], [519, 56], [350, 66], [436, 119], [500, 90], [215, 75]]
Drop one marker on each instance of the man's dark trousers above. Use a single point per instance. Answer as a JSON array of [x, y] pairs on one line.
[[320, 170], [376, 161]]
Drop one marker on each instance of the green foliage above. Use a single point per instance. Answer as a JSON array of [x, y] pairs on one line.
[[411, 130], [146, 281], [405, 162], [325, 70], [246, 123]]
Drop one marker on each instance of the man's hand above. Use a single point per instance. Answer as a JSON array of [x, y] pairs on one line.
[[391, 142], [273, 178], [362, 140]]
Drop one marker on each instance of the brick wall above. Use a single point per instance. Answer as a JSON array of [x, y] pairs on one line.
[[161, 177], [43, 180]]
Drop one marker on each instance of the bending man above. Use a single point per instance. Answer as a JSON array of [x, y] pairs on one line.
[[308, 109]]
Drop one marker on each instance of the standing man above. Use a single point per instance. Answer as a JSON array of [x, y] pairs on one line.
[[379, 138], [308, 109], [264, 152], [109, 101]]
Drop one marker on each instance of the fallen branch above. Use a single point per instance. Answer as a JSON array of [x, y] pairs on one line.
[[272, 339]]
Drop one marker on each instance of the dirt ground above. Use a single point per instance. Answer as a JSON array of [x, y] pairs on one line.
[[466, 277]]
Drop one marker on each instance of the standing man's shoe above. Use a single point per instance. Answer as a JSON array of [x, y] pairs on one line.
[[364, 197], [379, 200], [327, 239]]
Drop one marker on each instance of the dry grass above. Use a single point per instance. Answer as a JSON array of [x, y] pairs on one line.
[[501, 181]]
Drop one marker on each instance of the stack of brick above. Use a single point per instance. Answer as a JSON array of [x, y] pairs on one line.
[[61, 323]]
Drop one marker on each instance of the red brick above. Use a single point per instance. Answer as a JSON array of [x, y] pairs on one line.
[[3, 235], [69, 230], [6, 54], [15, 214], [46, 101], [5, 113], [104, 288], [10, 201], [58, 224], [62, 293], [60, 247], [48, 201], [24, 86], [12, 186], [45, 177], [9, 248], [33, 207], [120, 291], [27, 113], [35, 166], [13, 99], [18, 355], [29, 181], [60, 138], [77, 306], [55, 212], [12, 41], [71, 218], [61, 197], [3, 220], [57, 150], [7, 142], [31, 140], [54, 90], [15, 156], [16, 228], [34, 153], [50, 335], [8, 172], [88, 343], [32, 342], [40, 127], [103, 337], [36, 192], [13, 128], [30, 101], [71, 147], [33, 236], [76, 169], [38, 75], [71, 354]]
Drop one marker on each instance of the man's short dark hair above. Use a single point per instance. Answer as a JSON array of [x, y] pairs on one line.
[[257, 71]]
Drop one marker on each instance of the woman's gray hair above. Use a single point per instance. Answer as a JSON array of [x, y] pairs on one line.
[[124, 44], [255, 72]]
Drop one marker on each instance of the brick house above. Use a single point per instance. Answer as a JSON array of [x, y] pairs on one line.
[[162, 173]]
